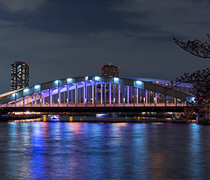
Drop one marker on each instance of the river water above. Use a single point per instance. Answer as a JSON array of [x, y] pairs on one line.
[[64, 150]]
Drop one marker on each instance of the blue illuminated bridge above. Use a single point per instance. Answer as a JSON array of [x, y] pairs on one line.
[[98, 94]]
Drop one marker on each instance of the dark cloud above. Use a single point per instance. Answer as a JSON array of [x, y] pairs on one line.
[[15, 6], [187, 18]]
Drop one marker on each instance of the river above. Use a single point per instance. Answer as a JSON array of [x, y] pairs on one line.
[[64, 150]]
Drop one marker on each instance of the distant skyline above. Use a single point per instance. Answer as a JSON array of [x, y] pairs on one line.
[[69, 38]]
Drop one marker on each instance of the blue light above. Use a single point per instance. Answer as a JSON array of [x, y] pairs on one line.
[[37, 86], [139, 82], [25, 90], [193, 99], [100, 115], [69, 80]]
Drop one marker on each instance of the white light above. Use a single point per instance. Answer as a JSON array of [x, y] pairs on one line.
[[26, 90], [116, 79], [69, 80], [56, 81], [13, 95], [86, 78], [97, 78], [37, 86], [193, 99], [138, 82]]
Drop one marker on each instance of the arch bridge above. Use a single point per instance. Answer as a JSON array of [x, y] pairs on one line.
[[95, 91]]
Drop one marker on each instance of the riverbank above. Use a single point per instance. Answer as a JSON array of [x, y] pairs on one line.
[[115, 120], [18, 117]]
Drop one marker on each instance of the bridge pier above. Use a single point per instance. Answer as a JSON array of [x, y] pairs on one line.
[[76, 94], [119, 94], [101, 93]]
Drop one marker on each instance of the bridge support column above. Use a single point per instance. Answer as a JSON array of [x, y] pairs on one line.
[[124, 92], [67, 96], [85, 93], [50, 97], [156, 99], [35, 99], [32, 100], [43, 100], [146, 97], [110, 93], [23, 101], [118, 94], [93, 98], [76, 94], [175, 101], [40, 98], [114, 94], [128, 93], [96, 93], [101, 93], [137, 95], [59, 96], [104, 94]]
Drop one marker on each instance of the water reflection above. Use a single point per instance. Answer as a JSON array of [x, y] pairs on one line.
[[42, 150]]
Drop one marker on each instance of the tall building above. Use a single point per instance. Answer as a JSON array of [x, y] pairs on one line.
[[19, 75], [110, 70]]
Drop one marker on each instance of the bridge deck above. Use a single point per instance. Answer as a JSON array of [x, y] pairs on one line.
[[95, 109]]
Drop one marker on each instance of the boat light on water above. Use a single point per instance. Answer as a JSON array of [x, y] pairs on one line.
[[54, 117], [100, 115]]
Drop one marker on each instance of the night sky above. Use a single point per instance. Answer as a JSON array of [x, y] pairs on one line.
[[67, 38]]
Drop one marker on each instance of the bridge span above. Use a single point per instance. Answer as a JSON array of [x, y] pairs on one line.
[[96, 94]]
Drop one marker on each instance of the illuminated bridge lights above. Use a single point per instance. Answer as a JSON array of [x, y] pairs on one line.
[[97, 78], [37, 86], [139, 82], [95, 91], [25, 90], [69, 80]]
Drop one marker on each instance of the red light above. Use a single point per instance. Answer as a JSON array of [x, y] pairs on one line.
[[110, 63], [118, 67], [101, 66]]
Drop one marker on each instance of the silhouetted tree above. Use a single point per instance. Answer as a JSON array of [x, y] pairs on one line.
[[195, 47], [200, 78]]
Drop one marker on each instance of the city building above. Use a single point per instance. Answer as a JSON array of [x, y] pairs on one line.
[[19, 75], [109, 70]]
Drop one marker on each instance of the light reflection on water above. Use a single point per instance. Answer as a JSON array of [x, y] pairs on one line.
[[43, 150]]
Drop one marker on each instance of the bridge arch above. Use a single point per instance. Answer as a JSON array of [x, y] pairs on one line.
[[95, 91]]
